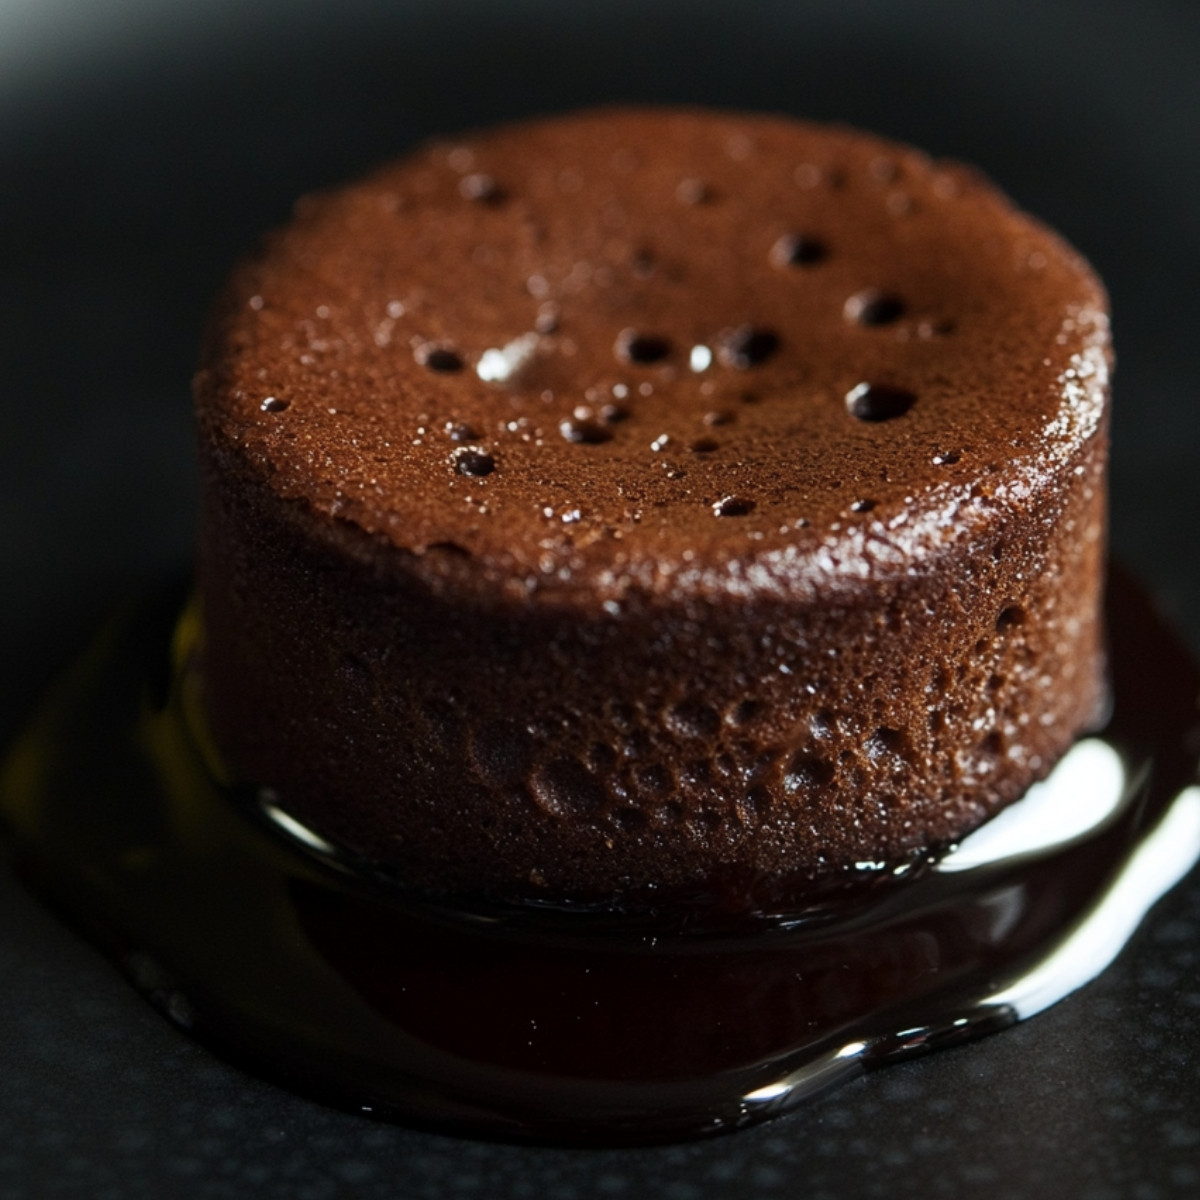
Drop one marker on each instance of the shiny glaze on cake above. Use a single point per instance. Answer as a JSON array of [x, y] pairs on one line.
[[642, 498]]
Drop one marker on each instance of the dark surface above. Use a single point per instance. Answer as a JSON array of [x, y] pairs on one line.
[[136, 165]]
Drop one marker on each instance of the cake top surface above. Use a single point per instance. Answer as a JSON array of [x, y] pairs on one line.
[[653, 348]]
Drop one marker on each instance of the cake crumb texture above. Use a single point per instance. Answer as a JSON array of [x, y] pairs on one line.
[[638, 497]]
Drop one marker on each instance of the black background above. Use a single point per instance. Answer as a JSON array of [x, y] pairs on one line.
[[144, 146]]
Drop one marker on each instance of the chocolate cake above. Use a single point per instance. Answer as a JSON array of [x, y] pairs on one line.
[[638, 499]]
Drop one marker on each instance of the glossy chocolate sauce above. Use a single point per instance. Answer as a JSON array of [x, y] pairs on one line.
[[661, 1020]]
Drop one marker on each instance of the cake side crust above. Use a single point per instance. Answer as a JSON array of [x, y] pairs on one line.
[[516, 747]]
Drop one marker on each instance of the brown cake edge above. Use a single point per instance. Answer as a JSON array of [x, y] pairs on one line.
[[475, 742]]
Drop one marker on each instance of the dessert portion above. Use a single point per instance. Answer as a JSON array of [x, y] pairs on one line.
[[650, 499]]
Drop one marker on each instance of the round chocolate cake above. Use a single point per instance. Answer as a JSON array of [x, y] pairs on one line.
[[638, 499]]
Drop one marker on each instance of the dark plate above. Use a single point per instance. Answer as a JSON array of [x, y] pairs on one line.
[[145, 145]]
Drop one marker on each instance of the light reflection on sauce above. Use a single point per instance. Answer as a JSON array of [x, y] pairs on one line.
[[573, 1024]]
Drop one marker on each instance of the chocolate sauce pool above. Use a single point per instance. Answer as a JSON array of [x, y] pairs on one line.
[[663, 1020]]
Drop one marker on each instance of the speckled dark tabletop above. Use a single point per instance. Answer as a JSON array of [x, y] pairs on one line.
[[143, 147]]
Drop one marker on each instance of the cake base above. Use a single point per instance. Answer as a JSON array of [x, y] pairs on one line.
[[584, 1025]]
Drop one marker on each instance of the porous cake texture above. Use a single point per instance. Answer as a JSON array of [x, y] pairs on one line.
[[641, 498]]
